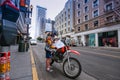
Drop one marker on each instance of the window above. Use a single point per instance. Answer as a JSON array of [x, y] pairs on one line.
[[95, 23], [68, 10], [78, 20], [95, 13], [78, 5], [78, 28], [86, 9], [68, 16], [109, 18], [95, 3], [86, 26], [68, 29], [68, 22], [65, 24], [78, 13], [85, 1], [86, 17], [65, 13], [109, 7]]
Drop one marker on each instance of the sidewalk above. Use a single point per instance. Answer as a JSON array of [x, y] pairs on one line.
[[21, 68]]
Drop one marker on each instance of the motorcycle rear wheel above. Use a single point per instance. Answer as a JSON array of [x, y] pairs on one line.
[[74, 70]]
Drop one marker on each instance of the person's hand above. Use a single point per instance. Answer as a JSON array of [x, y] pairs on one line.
[[53, 51]]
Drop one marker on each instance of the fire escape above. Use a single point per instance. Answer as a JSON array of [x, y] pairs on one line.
[[116, 10]]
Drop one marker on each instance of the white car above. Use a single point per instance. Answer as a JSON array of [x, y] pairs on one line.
[[33, 42]]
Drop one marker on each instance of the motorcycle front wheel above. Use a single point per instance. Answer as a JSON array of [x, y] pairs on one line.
[[72, 68]]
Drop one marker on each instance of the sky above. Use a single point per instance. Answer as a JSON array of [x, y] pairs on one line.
[[53, 8]]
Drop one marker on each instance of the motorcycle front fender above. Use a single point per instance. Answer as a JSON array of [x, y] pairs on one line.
[[74, 52]]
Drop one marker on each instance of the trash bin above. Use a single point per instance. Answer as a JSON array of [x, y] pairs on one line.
[[21, 46]]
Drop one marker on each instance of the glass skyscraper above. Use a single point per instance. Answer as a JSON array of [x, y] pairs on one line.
[[40, 21]]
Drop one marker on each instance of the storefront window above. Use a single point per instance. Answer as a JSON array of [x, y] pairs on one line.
[[91, 39], [109, 39]]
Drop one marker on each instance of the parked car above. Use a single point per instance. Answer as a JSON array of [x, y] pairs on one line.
[[33, 42]]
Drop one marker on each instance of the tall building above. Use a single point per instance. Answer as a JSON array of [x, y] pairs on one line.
[[64, 21], [40, 21], [97, 22]]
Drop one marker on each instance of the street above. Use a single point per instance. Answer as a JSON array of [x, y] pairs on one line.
[[102, 64], [91, 27], [97, 64], [57, 74]]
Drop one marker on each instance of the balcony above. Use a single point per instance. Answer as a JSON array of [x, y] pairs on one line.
[[112, 22]]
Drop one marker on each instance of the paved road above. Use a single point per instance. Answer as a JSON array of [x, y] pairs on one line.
[[57, 74], [100, 63]]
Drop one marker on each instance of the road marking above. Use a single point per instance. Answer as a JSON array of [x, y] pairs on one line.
[[109, 55], [34, 70]]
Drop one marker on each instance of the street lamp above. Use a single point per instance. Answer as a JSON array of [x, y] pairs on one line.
[[28, 21]]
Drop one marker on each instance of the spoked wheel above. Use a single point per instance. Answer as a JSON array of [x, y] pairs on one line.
[[72, 69]]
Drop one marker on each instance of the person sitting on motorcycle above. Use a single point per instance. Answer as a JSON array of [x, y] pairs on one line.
[[48, 50]]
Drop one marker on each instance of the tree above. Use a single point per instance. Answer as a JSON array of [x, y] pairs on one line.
[[39, 38]]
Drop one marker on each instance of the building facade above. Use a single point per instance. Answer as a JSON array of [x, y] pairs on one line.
[[97, 22], [64, 21], [40, 21]]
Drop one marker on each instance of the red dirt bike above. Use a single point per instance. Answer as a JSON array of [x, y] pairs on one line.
[[71, 66]]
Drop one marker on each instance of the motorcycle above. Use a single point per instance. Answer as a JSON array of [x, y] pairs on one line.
[[71, 66]]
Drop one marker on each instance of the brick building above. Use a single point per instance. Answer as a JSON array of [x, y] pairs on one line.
[[97, 22]]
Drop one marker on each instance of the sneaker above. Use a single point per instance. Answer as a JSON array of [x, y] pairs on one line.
[[49, 70]]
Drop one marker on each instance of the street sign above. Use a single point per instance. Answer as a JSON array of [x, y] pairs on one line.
[[27, 20]]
